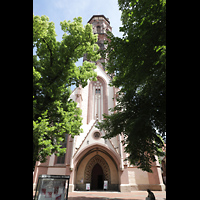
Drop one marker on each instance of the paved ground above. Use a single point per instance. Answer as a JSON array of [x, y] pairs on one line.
[[137, 195]]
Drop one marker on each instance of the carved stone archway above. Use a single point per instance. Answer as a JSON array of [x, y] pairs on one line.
[[92, 162]]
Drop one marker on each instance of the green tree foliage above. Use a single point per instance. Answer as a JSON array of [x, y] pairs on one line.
[[54, 71], [138, 62]]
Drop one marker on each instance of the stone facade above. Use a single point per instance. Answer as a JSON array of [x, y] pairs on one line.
[[90, 158]]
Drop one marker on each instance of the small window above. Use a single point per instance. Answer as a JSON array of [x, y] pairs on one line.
[[98, 91], [98, 29], [61, 159], [96, 135], [101, 46]]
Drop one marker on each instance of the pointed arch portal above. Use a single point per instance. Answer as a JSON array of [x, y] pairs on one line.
[[95, 165], [97, 162]]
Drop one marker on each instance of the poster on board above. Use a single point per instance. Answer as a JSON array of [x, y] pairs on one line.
[[52, 190], [87, 186], [105, 185]]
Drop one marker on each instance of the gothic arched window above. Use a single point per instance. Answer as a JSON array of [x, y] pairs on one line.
[[97, 99]]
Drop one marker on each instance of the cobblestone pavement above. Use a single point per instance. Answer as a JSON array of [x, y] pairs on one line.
[[137, 195]]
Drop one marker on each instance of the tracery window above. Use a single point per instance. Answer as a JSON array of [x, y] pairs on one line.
[[97, 100], [96, 135]]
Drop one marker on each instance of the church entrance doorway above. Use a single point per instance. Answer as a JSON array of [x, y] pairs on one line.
[[93, 169], [97, 178]]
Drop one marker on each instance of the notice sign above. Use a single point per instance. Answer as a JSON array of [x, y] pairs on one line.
[[87, 186], [52, 189], [105, 185]]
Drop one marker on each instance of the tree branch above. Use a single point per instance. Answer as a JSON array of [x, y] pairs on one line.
[[51, 55], [67, 60]]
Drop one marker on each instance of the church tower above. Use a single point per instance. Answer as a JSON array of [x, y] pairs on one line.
[[96, 160], [98, 94], [89, 158], [101, 26]]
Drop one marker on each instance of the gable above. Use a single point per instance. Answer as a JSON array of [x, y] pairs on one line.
[[93, 137]]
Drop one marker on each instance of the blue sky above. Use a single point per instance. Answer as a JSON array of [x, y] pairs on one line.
[[60, 10]]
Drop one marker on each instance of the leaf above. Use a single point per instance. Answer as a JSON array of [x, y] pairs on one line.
[[138, 61], [54, 71]]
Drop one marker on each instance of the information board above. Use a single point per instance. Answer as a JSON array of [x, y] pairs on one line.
[[51, 188]]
